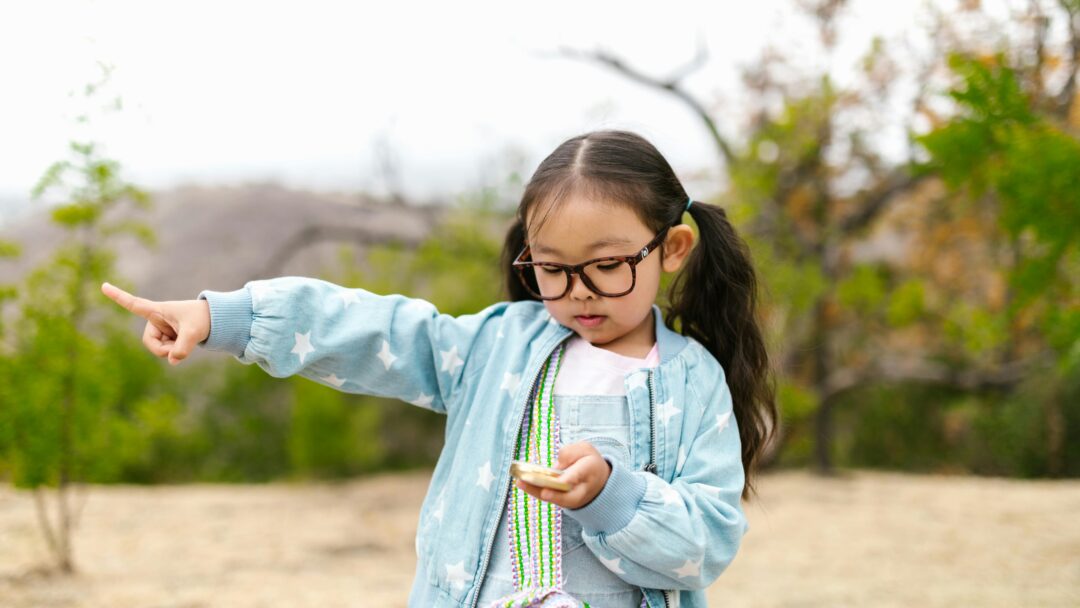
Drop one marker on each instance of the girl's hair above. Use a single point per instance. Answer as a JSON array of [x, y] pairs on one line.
[[714, 295]]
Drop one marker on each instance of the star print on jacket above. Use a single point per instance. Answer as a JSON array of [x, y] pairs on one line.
[[303, 345], [510, 382], [671, 496], [387, 357], [722, 421], [690, 568], [637, 381], [450, 360], [259, 290], [667, 409], [333, 379], [485, 477], [612, 564], [423, 400], [348, 296], [456, 575]]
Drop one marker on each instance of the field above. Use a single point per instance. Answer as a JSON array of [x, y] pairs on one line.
[[864, 538]]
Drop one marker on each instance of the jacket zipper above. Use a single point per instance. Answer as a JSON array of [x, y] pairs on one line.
[[517, 437], [651, 467]]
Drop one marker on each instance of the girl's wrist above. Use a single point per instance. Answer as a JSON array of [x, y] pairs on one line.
[[603, 484], [230, 320], [617, 502]]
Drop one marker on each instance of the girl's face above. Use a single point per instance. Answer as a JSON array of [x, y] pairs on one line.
[[582, 229]]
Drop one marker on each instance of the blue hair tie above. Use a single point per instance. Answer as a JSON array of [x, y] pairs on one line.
[[688, 202]]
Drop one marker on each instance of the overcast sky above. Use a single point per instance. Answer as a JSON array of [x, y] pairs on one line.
[[305, 92]]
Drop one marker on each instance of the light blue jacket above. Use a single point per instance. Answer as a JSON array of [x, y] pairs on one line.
[[670, 524]]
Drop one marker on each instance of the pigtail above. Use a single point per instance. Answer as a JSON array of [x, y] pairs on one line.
[[714, 298]]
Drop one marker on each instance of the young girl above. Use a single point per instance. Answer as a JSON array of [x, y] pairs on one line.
[[657, 432]]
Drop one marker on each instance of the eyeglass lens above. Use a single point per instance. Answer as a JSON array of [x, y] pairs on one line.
[[607, 277]]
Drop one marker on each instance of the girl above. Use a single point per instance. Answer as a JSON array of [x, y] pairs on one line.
[[657, 431]]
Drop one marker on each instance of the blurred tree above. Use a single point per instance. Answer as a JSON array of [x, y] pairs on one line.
[[818, 201], [8, 292], [1011, 150], [64, 393], [924, 308], [782, 189]]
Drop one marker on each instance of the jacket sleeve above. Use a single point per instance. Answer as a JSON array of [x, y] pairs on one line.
[[678, 535], [350, 339]]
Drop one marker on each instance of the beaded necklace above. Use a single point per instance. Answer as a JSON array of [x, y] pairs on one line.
[[534, 525]]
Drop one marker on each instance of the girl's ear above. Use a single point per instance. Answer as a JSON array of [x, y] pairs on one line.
[[677, 245]]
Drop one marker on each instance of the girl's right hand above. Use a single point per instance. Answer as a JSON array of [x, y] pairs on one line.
[[173, 328]]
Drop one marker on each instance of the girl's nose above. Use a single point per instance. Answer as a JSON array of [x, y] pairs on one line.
[[578, 289]]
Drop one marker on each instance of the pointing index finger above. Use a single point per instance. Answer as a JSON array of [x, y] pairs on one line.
[[139, 306]]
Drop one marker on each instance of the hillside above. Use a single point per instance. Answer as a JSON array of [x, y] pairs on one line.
[[220, 237]]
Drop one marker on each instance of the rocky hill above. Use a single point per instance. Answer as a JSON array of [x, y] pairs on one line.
[[220, 237]]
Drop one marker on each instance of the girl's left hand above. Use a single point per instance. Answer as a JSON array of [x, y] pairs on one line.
[[583, 468]]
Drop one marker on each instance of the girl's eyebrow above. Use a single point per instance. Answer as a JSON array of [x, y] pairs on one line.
[[597, 244]]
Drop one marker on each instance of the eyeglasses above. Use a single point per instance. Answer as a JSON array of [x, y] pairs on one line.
[[611, 276]]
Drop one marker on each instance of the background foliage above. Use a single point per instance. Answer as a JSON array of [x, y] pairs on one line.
[[960, 353]]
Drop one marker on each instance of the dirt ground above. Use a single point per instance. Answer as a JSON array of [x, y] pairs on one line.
[[864, 539]]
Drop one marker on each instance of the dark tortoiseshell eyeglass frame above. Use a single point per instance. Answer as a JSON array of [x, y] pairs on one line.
[[523, 268]]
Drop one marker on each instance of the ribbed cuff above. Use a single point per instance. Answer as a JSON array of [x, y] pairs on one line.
[[230, 320], [616, 503]]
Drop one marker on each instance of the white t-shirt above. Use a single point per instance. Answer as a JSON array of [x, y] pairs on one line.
[[591, 370]]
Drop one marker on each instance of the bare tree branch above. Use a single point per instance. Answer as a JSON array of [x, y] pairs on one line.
[[389, 168], [786, 183], [80, 492], [898, 183], [1042, 27], [701, 55], [315, 234], [1067, 96], [918, 371], [671, 85], [43, 521]]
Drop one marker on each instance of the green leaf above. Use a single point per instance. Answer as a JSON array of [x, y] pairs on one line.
[[863, 290], [10, 249], [53, 176], [75, 214], [140, 230], [906, 304]]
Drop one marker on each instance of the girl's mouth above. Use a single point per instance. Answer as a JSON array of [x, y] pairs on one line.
[[591, 320]]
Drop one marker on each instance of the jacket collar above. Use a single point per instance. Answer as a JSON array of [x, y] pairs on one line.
[[670, 343]]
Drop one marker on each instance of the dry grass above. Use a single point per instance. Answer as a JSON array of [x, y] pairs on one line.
[[865, 539]]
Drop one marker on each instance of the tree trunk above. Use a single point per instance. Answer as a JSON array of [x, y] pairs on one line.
[[823, 427]]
